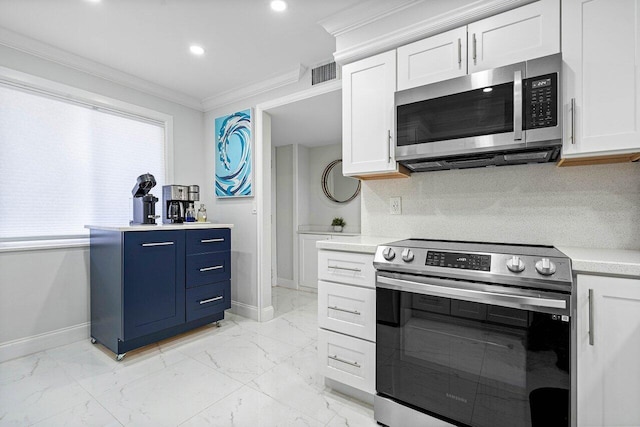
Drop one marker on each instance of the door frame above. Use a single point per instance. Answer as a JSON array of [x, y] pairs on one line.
[[263, 189]]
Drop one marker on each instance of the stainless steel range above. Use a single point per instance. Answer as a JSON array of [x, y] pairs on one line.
[[473, 334]]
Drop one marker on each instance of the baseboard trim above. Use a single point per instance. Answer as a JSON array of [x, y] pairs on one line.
[[33, 344], [244, 310], [268, 313], [286, 283]]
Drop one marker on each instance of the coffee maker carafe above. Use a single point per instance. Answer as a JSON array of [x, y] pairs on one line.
[[144, 203], [176, 200]]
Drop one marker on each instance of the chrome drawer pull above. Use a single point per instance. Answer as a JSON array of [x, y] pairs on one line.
[[335, 307], [205, 301], [345, 268], [211, 240], [591, 332], [215, 267], [157, 244], [337, 359]]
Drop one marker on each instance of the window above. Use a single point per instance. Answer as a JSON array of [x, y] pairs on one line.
[[64, 164]]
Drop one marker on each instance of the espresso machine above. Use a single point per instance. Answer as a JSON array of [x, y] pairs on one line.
[[144, 203], [176, 200]]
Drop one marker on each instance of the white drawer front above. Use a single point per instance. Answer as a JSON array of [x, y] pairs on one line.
[[347, 309], [347, 360], [346, 267]]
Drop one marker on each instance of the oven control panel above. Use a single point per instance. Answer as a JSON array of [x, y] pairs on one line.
[[539, 267], [459, 260]]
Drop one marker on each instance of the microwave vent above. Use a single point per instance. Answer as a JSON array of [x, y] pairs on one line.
[[324, 73]]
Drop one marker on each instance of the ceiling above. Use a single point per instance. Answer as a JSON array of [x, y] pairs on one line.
[[245, 41]]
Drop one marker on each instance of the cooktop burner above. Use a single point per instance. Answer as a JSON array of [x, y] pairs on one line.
[[530, 266]]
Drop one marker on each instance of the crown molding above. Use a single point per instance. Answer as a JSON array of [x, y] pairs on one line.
[[428, 27], [362, 14], [320, 89], [230, 96], [28, 45]]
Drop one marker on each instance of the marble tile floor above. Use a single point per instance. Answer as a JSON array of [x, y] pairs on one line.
[[243, 373]]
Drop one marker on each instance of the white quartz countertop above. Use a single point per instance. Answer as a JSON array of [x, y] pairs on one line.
[[362, 244], [613, 262], [183, 226]]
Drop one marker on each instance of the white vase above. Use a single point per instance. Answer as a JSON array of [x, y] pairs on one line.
[[337, 228]]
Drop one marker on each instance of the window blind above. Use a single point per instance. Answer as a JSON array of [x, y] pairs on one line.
[[65, 164]]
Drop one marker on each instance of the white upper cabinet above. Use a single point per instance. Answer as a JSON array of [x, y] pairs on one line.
[[517, 35], [608, 356], [601, 52], [433, 59], [368, 88]]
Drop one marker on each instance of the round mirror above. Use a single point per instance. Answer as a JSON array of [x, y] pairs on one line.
[[337, 187]]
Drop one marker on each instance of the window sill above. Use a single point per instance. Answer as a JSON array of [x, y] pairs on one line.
[[36, 245]]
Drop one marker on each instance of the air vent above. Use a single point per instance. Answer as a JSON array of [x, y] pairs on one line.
[[324, 73]]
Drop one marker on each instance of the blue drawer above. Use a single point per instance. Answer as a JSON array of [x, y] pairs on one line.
[[209, 240], [203, 269], [207, 300]]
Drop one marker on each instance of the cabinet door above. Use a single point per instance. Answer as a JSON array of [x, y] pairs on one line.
[[601, 52], [520, 34], [309, 259], [609, 352], [154, 281], [433, 59], [368, 88]]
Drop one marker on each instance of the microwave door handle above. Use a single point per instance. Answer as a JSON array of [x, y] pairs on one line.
[[517, 105]]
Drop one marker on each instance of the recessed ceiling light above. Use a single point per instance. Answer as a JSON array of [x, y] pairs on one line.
[[487, 89], [196, 50], [278, 5]]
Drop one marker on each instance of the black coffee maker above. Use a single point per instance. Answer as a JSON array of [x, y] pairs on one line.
[[144, 203]]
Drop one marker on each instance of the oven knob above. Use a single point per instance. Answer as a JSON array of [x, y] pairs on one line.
[[545, 267], [388, 254], [407, 255], [515, 264]]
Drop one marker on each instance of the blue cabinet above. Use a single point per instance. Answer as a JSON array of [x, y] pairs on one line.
[[150, 285], [154, 277]]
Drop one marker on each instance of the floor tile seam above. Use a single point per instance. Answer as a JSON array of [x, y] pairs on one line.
[[93, 398], [219, 371], [256, 388], [212, 404]]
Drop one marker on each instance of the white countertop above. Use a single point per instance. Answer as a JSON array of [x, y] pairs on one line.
[[362, 244], [183, 226], [616, 262], [612, 262]]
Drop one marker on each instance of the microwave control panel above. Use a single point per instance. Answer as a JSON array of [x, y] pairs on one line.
[[541, 106]]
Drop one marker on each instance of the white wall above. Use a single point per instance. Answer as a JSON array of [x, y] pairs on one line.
[[583, 206], [241, 212], [284, 210], [43, 291]]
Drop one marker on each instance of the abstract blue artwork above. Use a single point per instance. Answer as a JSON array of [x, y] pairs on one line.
[[233, 155]]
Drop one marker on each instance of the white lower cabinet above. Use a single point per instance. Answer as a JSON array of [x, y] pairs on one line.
[[347, 319], [348, 360], [608, 327], [347, 309], [308, 262]]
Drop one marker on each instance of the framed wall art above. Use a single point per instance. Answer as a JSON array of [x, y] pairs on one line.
[[234, 165]]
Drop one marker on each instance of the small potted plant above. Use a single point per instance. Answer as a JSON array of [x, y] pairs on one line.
[[338, 223]]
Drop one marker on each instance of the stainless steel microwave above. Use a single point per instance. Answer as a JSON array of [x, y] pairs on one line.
[[508, 115]]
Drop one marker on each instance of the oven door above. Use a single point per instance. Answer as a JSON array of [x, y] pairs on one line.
[[473, 354]]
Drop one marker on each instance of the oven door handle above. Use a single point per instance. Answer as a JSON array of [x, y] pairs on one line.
[[484, 297]]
